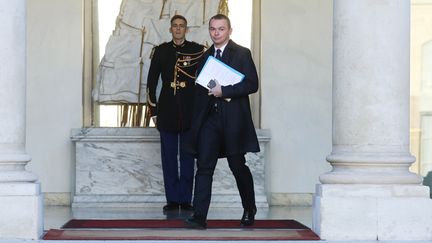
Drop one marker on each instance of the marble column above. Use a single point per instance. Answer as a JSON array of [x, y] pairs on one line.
[[20, 197], [370, 193]]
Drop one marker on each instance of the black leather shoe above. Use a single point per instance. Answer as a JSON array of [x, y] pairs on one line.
[[195, 223], [171, 207], [186, 207], [248, 217]]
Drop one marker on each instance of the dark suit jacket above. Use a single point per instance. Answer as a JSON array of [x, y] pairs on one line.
[[239, 134]]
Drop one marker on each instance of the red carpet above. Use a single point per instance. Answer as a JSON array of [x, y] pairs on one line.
[[174, 230], [177, 223]]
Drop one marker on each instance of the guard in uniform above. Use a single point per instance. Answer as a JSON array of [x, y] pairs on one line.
[[175, 62]]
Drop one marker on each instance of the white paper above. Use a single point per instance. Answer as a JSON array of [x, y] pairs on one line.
[[216, 69]]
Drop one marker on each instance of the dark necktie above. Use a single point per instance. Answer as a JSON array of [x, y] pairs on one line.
[[218, 54]]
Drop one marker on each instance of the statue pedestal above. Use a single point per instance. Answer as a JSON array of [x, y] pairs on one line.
[[121, 167]]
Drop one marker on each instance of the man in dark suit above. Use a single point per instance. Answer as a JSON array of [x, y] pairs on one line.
[[175, 62], [222, 125]]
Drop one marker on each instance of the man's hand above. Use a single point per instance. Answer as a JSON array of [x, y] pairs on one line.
[[152, 111], [216, 90]]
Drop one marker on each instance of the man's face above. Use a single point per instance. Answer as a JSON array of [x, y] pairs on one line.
[[219, 32], [178, 29]]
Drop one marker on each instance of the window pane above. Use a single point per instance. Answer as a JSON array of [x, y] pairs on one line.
[[240, 14], [107, 14], [421, 88]]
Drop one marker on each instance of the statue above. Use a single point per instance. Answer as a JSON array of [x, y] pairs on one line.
[[140, 26]]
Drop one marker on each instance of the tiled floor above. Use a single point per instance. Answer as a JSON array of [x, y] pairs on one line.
[[56, 216]]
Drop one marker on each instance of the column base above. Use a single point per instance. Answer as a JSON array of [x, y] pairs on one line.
[[372, 212], [21, 211]]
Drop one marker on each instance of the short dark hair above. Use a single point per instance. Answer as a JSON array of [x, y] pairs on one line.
[[178, 16], [221, 16]]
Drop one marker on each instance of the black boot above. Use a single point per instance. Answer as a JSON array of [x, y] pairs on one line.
[[195, 222], [171, 207], [248, 217]]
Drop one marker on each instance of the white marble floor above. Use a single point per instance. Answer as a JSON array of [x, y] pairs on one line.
[[56, 216]]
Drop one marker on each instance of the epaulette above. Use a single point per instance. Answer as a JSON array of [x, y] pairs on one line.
[[206, 46], [154, 48], [161, 44]]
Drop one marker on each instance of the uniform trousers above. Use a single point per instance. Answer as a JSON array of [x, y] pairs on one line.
[[210, 144], [178, 180]]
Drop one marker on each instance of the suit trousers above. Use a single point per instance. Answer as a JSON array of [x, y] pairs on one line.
[[178, 180], [210, 144]]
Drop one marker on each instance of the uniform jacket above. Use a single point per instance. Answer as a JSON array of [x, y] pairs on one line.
[[176, 66], [239, 131]]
